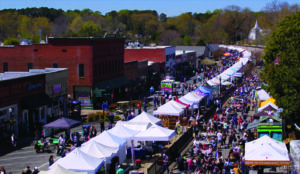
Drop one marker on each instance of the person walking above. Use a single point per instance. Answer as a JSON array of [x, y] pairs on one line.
[[166, 164], [120, 170]]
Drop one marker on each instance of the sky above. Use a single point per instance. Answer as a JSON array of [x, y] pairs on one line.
[[169, 7]]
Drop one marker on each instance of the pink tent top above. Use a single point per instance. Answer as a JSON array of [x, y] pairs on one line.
[[178, 101]]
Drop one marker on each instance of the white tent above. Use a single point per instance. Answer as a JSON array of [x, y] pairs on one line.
[[266, 151], [123, 132], [58, 169], [155, 133], [262, 95], [176, 104], [99, 150], [168, 109], [108, 139], [266, 105], [145, 117], [134, 125], [191, 99], [79, 161]]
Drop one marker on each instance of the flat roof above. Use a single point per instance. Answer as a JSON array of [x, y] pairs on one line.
[[149, 47], [32, 72], [179, 52]]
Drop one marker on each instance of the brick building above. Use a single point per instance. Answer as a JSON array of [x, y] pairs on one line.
[[92, 62], [28, 98], [165, 55]]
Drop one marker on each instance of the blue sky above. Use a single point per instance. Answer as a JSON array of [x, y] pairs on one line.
[[169, 7]]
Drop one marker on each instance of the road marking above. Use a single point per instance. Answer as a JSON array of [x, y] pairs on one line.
[[35, 156]]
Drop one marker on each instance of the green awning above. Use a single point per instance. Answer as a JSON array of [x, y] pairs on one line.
[[35, 101], [112, 83]]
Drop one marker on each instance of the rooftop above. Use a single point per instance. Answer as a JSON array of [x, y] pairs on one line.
[[14, 75], [149, 47], [179, 52]]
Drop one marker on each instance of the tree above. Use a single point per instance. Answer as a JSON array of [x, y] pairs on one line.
[[283, 79], [187, 41], [11, 41], [163, 17]]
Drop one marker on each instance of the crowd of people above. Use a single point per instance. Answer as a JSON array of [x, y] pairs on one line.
[[224, 131]]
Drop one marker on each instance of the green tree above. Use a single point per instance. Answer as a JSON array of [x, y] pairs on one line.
[[187, 41], [283, 79], [89, 29], [11, 41]]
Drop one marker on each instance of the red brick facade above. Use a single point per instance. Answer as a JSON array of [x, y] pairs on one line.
[[153, 55], [103, 58]]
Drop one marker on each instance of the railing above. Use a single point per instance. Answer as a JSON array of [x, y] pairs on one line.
[[173, 152]]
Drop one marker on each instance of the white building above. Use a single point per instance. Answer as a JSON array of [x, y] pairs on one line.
[[256, 32]]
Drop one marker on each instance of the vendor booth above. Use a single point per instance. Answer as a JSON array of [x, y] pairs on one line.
[[266, 151], [145, 117], [268, 125], [58, 169], [79, 161], [169, 114]]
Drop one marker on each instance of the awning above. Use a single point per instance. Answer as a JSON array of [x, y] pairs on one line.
[[112, 83], [35, 101]]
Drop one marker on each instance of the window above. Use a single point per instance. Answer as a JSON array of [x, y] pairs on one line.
[[35, 50], [64, 50], [29, 66], [81, 70], [276, 135], [55, 65], [5, 66]]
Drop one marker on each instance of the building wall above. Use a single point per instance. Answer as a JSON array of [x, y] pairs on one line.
[[153, 55], [143, 67], [44, 56], [131, 70], [94, 53], [170, 57]]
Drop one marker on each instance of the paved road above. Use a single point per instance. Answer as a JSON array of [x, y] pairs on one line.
[[15, 161]]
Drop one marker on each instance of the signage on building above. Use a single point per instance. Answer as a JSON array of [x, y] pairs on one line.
[[56, 88], [33, 86]]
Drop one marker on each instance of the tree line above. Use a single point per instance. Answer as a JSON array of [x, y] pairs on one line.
[[228, 25]]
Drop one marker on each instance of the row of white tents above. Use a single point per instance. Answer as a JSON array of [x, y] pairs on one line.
[[232, 71], [100, 150]]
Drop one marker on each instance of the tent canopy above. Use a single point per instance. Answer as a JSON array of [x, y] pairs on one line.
[[108, 139], [123, 132], [63, 123], [155, 133], [168, 109], [58, 169], [271, 99], [262, 95], [99, 150], [134, 125], [266, 151], [266, 105], [79, 161], [146, 118]]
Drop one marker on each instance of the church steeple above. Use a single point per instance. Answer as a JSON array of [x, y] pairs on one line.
[[256, 25]]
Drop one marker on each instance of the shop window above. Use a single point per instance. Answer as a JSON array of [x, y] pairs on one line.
[[29, 66], [55, 65], [5, 66], [81, 70]]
